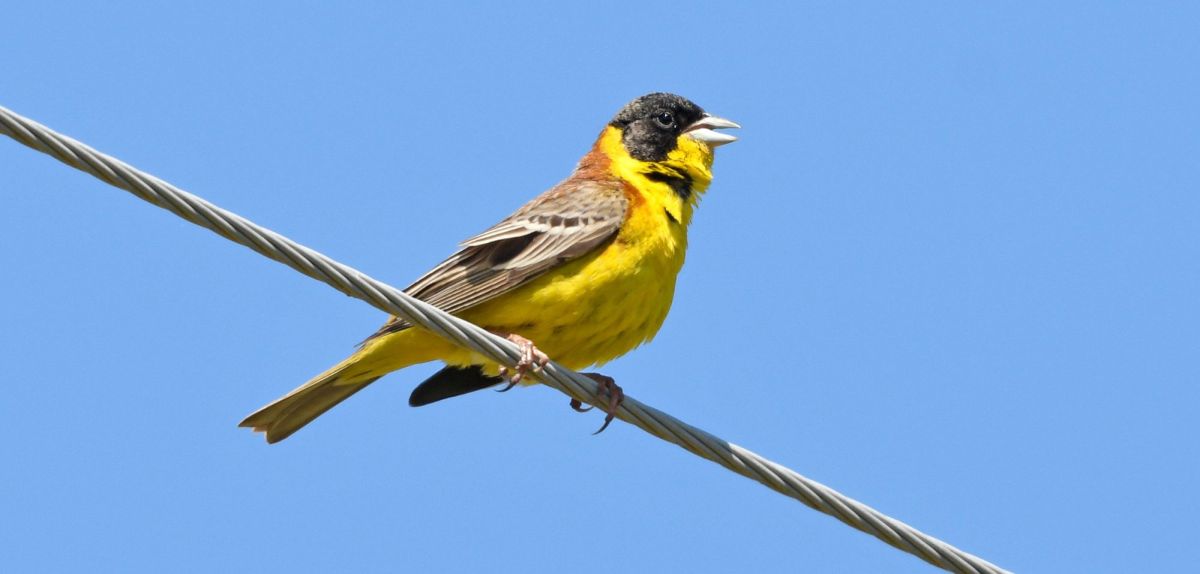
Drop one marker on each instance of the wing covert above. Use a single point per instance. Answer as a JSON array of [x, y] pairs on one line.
[[568, 221]]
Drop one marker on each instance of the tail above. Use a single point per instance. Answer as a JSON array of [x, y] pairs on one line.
[[291, 412], [377, 357]]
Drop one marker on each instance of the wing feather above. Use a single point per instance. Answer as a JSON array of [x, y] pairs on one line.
[[566, 222]]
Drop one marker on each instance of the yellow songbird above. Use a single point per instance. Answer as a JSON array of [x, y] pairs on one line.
[[587, 270]]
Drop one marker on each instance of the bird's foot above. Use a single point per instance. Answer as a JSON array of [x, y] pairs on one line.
[[578, 406], [531, 359], [616, 396]]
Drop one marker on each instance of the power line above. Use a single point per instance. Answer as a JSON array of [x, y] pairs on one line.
[[391, 300]]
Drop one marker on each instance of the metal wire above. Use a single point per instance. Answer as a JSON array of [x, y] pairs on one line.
[[389, 299]]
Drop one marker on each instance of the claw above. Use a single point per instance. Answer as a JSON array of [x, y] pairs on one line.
[[578, 406], [531, 359], [616, 396]]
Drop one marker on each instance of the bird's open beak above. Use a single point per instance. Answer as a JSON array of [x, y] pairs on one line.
[[703, 130]]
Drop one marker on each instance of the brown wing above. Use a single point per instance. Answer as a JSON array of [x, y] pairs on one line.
[[566, 222]]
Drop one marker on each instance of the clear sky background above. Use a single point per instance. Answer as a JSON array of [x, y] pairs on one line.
[[951, 269]]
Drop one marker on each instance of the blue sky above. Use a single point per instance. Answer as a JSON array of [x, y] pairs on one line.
[[950, 270]]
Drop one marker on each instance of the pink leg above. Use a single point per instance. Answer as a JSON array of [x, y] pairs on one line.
[[616, 396], [531, 360]]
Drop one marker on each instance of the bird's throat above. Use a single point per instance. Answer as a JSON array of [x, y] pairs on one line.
[[675, 182]]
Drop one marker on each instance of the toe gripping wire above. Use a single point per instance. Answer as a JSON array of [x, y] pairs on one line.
[[577, 386]]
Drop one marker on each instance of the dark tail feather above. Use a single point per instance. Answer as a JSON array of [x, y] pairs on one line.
[[451, 382]]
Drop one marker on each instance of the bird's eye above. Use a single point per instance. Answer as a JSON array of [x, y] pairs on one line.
[[665, 119]]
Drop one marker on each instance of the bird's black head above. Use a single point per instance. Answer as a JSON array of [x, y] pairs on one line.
[[651, 124]]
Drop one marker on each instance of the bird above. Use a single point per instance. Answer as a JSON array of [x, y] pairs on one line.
[[584, 272]]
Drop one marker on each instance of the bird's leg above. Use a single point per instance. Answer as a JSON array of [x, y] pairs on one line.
[[616, 396], [531, 360]]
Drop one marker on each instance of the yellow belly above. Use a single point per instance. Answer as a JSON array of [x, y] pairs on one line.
[[594, 309]]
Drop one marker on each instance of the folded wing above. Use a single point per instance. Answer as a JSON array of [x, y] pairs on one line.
[[568, 221]]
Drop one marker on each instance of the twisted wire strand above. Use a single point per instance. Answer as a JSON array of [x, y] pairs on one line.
[[390, 300]]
